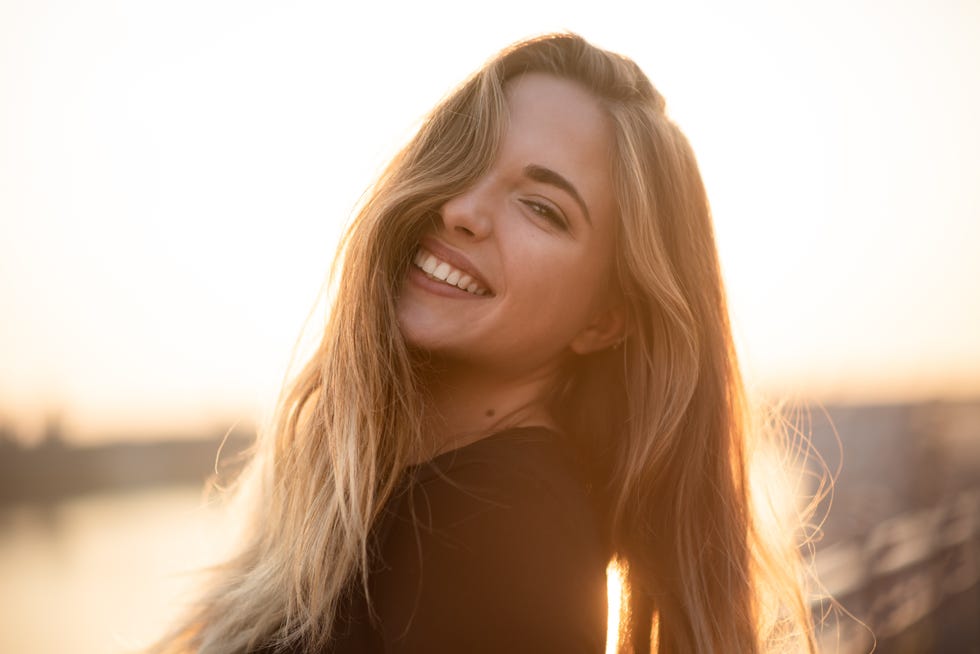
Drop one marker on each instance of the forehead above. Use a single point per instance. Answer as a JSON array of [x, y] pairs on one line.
[[558, 124]]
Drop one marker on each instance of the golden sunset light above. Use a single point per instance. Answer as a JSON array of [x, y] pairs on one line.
[[176, 178]]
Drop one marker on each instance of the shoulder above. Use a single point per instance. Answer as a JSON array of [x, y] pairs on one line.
[[521, 478], [497, 540], [524, 462]]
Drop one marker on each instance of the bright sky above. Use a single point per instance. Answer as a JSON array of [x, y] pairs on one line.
[[174, 175]]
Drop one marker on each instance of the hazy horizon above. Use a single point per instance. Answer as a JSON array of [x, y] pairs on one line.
[[173, 180]]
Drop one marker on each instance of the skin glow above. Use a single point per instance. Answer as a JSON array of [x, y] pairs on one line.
[[537, 232]]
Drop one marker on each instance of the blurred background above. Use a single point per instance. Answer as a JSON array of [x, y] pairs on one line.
[[174, 177]]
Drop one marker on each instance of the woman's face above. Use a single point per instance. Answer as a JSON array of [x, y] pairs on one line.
[[517, 273]]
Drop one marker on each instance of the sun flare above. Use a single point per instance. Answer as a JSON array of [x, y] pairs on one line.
[[614, 593]]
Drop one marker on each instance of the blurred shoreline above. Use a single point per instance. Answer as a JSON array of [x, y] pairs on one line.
[[54, 469], [899, 548], [892, 458]]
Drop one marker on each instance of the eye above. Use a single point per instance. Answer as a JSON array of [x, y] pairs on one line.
[[547, 212]]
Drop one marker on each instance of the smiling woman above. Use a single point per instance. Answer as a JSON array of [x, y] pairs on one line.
[[527, 373], [541, 259]]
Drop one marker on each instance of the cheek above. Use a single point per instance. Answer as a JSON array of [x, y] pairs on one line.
[[558, 294]]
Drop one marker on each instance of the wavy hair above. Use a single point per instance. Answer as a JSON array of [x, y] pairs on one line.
[[664, 418]]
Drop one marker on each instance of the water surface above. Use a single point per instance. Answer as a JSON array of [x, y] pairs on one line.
[[100, 573]]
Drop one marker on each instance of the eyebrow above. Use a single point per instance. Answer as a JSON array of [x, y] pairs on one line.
[[548, 176]]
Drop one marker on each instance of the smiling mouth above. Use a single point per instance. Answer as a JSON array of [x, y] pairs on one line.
[[437, 269]]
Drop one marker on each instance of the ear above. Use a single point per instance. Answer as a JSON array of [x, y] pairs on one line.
[[606, 330]]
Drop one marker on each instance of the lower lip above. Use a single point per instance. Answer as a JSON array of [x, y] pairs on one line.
[[418, 277]]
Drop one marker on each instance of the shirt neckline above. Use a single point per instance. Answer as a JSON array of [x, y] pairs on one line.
[[510, 432]]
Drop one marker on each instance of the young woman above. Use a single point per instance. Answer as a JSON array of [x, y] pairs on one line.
[[527, 373]]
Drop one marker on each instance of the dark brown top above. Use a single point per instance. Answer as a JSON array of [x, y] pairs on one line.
[[504, 555]]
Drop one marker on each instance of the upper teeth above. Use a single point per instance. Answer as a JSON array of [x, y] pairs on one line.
[[439, 269]]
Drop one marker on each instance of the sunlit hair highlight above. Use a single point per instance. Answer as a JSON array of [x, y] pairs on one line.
[[664, 417]]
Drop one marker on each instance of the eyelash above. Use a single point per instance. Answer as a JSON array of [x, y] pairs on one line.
[[547, 213]]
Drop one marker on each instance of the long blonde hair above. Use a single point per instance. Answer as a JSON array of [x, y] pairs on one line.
[[664, 417]]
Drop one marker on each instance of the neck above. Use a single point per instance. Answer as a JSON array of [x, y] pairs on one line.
[[465, 403]]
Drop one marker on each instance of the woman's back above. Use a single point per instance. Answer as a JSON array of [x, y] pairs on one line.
[[506, 556]]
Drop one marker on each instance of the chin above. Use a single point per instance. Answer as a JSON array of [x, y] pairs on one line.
[[419, 333], [433, 347]]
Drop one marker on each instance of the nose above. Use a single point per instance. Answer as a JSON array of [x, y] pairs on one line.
[[469, 213]]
